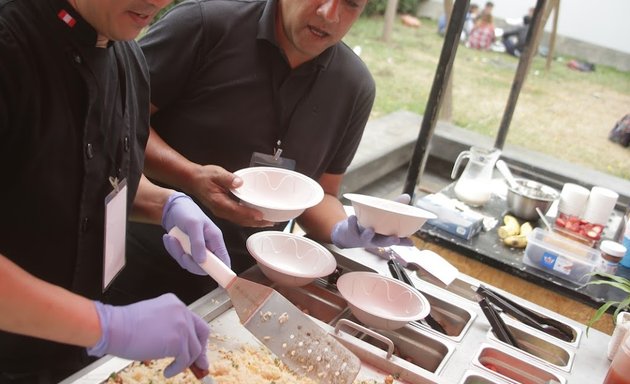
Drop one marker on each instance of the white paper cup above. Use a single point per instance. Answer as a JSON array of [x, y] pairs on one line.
[[573, 199], [622, 324], [601, 203]]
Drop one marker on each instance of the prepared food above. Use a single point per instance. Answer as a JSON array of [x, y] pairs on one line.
[[247, 364]]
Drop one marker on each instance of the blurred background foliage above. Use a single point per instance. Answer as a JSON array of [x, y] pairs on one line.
[[377, 7]]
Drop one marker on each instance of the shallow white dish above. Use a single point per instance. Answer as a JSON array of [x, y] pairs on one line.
[[388, 217], [289, 259], [380, 301], [280, 194]]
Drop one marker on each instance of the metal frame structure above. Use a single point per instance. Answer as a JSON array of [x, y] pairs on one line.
[[443, 75]]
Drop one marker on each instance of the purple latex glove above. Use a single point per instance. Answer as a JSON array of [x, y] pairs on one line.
[[153, 329], [181, 211], [349, 234]]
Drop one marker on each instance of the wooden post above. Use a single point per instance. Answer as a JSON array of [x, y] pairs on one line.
[[390, 17], [521, 72], [552, 38], [541, 27], [446, 112]]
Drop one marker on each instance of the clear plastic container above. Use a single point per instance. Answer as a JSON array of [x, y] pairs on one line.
[[560, 256]]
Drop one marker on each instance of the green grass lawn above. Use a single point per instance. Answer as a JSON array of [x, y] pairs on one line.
[[562, 112]]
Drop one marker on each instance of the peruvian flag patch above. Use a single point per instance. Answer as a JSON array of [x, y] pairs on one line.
[[66, 18]]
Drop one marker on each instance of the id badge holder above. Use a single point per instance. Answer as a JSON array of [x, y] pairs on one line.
[[265, 160], [115, 231]]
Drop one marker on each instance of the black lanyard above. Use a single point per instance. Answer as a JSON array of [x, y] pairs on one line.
[[284, 126]]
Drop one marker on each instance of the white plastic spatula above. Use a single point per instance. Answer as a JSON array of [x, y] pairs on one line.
[[305, 347]]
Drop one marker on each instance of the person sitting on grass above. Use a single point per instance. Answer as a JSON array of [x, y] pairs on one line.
[[482, 35], [515, 39]]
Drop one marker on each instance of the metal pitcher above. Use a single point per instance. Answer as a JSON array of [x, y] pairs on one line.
[[474, 187]]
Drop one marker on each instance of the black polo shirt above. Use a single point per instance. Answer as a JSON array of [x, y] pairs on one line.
[[225, 90], [71, 116]]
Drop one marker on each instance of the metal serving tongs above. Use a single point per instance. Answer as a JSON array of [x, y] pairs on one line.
[[544, 324], [501, 330], [399, 273]]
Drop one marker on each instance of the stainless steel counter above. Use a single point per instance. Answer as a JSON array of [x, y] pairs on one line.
[[468, 353]]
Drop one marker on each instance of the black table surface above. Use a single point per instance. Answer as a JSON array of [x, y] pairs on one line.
[[488, 248]]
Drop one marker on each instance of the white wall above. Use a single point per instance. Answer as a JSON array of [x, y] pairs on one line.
[[601, 22]]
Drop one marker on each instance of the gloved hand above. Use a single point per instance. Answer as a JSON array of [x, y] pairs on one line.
[[181, 211], [349, 234], [153, 329]]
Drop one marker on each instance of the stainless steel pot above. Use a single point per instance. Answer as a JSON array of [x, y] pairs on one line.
[[527, 196]]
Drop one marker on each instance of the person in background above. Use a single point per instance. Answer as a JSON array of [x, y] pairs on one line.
[[234, 83], [515, 39], [442, 24], [488, 8], [482, 35], [471, 16], [469, 23], [74, 120]]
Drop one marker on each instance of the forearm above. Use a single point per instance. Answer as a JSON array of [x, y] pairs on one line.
[[168, 166], [149, 202], [33, 307], [319, 221]]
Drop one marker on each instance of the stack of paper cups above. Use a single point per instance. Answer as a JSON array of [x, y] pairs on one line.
[[573, 200], [622, 325], [600, 205]]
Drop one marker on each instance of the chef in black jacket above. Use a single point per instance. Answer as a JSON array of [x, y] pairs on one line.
[[74, 118]]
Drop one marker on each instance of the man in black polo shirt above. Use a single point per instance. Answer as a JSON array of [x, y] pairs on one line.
[[236, 81], [74, 115]]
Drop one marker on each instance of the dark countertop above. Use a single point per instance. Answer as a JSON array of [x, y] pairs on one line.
[[488, 248]]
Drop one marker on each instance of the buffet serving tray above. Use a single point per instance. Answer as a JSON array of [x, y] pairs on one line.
[[423, 354], [228, 333]]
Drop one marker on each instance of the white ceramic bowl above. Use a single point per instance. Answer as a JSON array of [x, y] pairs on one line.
[[380, 301], [288, 259], [388, 217], [280, 194]]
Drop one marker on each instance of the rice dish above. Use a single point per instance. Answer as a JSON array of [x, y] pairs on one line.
[[247, 364]]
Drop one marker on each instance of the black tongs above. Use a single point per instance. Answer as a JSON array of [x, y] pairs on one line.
[[544, 324], [499, 328], [399, 273]]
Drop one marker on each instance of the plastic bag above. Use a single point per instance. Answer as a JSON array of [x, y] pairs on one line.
[[621, 132]]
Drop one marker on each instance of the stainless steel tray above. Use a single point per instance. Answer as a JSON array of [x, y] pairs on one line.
[[228, 333], [422, 355], [582, 360]]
